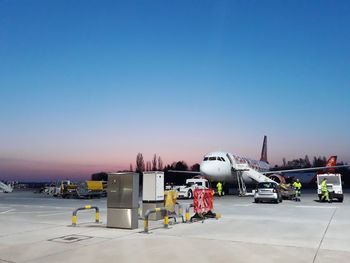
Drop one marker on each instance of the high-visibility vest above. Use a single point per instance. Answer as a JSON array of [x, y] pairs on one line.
[[297, 185], [219, 186], [324, 186]]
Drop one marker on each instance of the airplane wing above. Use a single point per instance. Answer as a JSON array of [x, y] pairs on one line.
[[185, 172], [306, 169]]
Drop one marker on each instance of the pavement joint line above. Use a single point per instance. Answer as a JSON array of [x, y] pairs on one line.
[[39, 222], [320, 207], [57, 207], [324, 234], [111, 238], [47, 206], [27, 212], [242, 242], [5, 261]]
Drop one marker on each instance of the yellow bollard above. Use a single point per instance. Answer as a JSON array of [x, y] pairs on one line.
[[97, 217], [88, 207], [187, 216], [166, 221], [74, 220], [145, 225]]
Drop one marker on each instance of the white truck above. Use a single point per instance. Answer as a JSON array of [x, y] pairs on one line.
[[186, 191], [334, 186]]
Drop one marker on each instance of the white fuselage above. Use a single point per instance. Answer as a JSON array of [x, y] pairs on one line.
[[223, 167]]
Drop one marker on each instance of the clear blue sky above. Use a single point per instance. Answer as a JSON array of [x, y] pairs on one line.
[[86, 85]]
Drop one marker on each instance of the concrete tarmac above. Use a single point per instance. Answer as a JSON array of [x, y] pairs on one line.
[[37, 228]]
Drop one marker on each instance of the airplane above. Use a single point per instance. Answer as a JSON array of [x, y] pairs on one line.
[[5, 188], [232, 168]]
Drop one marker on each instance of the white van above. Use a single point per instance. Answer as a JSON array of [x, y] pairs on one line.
[[334, 186]]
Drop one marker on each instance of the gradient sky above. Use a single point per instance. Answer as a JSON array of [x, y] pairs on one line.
[[86, 85]]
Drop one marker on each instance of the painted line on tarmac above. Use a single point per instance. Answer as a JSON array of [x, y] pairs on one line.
[[54, 214], [45, 206], [225, 205], [5, 212], [5, 261], [26, 212], [318, 207]]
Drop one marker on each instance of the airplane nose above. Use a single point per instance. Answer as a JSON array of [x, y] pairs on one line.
[[206, 169]]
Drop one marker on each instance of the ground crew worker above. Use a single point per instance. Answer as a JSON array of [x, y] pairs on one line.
[[297, 189], [219, 187], [324, 191]]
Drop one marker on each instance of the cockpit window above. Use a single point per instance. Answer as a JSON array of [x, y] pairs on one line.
[[205, 159], [212, 158], [222, 158]]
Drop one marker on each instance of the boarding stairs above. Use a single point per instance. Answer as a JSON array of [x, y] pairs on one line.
[[243, 170], [5, 188]]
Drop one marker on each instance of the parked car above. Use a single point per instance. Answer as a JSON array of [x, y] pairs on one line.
[[268, 191]]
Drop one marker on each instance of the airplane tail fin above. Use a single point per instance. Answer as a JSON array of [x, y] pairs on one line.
[[332, 161], [263, 157]]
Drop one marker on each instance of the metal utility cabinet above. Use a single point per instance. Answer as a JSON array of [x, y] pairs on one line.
[[153, 193], [122, 200]]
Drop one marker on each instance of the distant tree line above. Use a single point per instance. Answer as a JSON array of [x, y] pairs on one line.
[[156, 164]]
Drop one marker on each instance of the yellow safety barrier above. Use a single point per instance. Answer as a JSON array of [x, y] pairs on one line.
[[187, 215], [87, 207], [158, 209], [170, 200], [170, 203]]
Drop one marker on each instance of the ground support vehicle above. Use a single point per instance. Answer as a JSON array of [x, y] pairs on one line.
[[87, 189], [287, 191], [186, 191], [334, 186], [53, 190], [90, 189]]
